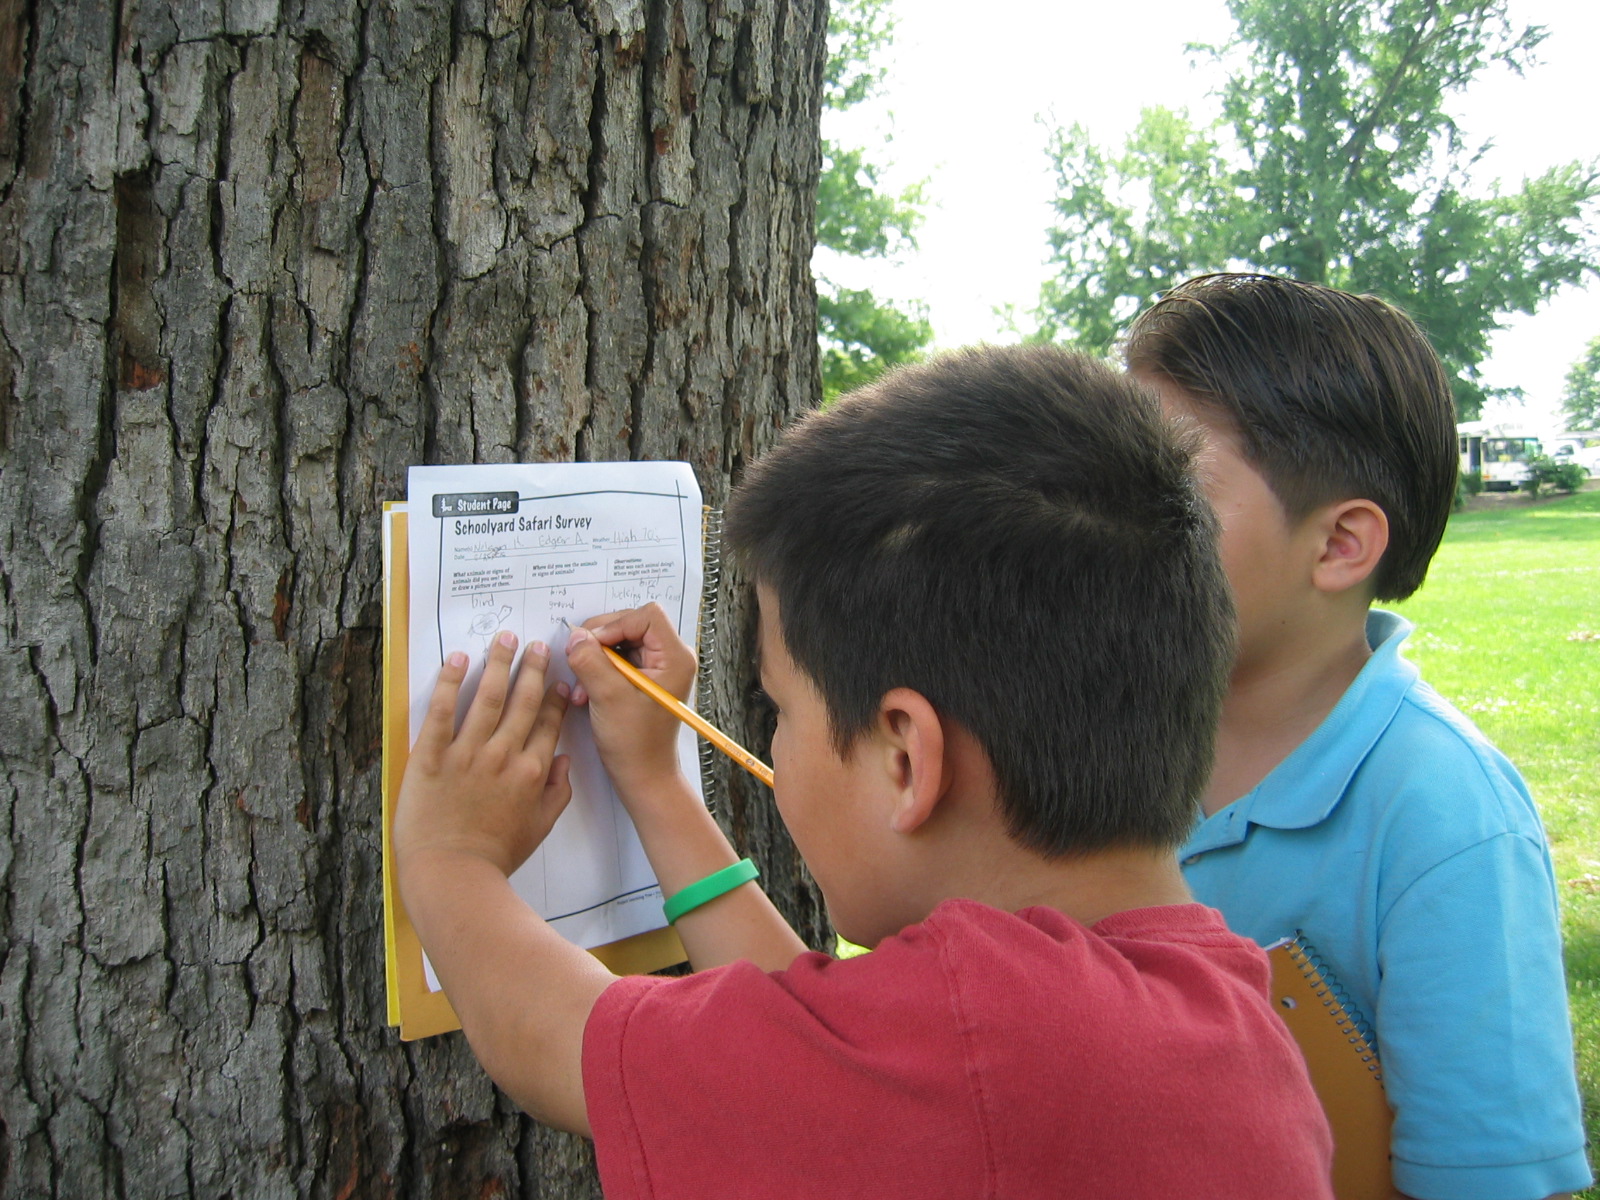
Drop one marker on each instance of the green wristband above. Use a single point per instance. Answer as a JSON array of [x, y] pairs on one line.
[[718, 883]]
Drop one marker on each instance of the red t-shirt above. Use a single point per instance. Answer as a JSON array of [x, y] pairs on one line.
[[977, 1054]]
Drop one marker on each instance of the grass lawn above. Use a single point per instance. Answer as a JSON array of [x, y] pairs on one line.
[[1508, 629]]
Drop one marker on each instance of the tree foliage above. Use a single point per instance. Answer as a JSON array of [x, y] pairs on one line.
[[1545, 472], [1336, 160], [1581, 402], [1133, 224], [860, 334]]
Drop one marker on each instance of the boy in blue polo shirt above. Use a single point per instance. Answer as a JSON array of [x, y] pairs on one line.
[[1348, 800]]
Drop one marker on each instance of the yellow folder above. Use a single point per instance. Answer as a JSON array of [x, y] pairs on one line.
[[415, 1008]]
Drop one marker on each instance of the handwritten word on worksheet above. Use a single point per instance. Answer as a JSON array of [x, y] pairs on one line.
[[521, 547]]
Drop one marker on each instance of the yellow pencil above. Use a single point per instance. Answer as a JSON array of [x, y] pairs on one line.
[[688, 716]]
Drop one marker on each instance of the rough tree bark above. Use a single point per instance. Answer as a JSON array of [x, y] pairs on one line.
[[256, 257]]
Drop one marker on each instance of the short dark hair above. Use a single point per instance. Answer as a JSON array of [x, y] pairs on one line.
[[1015, 534], [1336, 397]]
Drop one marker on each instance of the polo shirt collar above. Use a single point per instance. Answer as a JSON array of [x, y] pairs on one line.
[[1304, 788]]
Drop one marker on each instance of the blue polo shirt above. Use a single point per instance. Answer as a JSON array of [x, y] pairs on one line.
[[1408, 851]]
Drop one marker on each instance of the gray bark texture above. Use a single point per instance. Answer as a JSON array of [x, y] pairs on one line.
[[256, 258]]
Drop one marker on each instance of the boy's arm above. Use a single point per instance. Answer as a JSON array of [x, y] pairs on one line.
[[472, 807], [1473, 1020], [638, 743]]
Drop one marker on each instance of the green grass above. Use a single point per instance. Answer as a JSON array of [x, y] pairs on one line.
[[1508, 629]]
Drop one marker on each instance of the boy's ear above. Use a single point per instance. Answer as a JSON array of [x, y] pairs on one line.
[[911, 739], [1354, 533]]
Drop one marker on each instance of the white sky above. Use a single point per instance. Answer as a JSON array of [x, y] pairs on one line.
[[964, 90]]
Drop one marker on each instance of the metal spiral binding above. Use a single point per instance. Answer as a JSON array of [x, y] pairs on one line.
[[1336, 1000], [706, 646]]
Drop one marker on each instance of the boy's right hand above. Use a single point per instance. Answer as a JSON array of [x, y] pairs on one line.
[[636, 737]]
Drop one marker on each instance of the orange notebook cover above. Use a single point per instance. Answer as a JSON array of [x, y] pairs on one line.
[[1344, 1069]]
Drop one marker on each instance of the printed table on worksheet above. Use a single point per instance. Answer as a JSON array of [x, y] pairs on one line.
[[522, 547]]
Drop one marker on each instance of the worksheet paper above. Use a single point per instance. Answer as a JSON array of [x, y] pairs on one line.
[[519, 547]]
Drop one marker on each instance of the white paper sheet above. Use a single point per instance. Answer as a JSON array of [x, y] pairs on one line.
[[519, 547]]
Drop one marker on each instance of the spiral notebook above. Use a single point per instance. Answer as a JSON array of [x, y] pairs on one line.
[[478, 549], [1343, 1063]]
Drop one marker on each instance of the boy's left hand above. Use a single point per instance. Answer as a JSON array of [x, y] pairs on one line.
[[494, 789]]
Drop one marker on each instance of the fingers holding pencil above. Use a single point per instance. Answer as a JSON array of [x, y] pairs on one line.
[[637, 738], [646, 637], [656, 645]]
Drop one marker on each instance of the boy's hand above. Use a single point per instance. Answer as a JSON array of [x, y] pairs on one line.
[[472, 807], [638, 740], [494, 789]]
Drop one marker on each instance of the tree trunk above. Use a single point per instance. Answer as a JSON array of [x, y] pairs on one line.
[[255, 259]]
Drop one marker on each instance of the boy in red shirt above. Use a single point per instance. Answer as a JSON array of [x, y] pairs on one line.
[[996, 634]]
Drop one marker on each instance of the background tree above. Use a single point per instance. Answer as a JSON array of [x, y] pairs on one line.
[[254, 261], [1336, 161], [1581, 401], [860, 334]]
